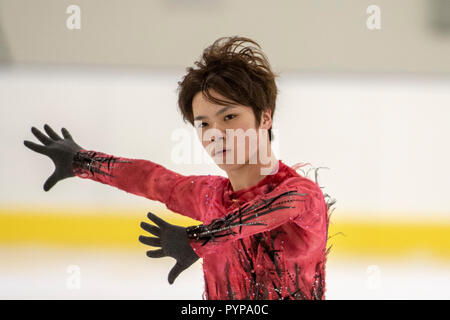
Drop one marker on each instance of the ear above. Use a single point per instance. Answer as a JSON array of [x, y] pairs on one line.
[[266, 119]]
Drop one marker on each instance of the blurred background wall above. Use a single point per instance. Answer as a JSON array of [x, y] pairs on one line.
[[370, 105]]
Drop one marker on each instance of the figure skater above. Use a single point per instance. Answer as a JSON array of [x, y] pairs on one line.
[[264, 228]]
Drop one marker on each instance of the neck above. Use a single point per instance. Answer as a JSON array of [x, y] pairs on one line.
[[248, 175]]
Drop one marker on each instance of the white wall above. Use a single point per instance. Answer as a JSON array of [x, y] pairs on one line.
[[385, 138], [320, 35]]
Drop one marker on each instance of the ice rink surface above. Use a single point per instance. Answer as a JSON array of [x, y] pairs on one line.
[[49, 273]]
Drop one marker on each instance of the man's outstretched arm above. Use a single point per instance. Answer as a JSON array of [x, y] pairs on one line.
[[137, 176]]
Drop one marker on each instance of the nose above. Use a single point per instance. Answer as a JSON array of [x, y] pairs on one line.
[[213, 138], [217, 129]]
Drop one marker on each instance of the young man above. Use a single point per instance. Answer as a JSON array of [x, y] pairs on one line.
[[265, 227]]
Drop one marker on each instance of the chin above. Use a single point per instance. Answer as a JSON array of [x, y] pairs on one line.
[[229, 166]]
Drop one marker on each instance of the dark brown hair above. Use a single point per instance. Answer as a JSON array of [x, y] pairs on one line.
[[245, 77]]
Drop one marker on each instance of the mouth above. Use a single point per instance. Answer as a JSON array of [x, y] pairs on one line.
[[221, 152]]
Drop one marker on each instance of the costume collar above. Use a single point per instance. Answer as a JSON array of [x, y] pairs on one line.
[[267, 184]]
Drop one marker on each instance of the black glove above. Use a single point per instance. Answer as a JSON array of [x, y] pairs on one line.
[[61, 151], [173, 241]]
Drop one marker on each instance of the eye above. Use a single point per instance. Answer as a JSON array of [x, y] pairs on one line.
[[202, 125], [230, 115]]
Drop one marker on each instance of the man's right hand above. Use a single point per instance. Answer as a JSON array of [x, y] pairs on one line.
[[60, 151]]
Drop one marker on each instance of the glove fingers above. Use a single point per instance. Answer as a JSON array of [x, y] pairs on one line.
[[42, 137], [160, 222], [66, 134], [50, 182], [151, 241], [175, 272], [152, 229], [52, 134], [35, 147], [155, 253]]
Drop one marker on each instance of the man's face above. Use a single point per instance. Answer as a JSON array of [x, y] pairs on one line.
[[226, 127]]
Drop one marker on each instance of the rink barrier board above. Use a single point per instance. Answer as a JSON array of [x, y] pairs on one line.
[[119, 229]]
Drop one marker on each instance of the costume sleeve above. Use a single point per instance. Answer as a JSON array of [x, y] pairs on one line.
[[147, 179], [301, 202]]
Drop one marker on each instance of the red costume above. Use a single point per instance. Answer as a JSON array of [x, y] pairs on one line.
[[267, 241]]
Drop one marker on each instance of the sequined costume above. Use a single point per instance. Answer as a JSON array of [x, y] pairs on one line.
[[267, 241]]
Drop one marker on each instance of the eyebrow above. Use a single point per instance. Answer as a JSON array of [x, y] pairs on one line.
[[218, 113]]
